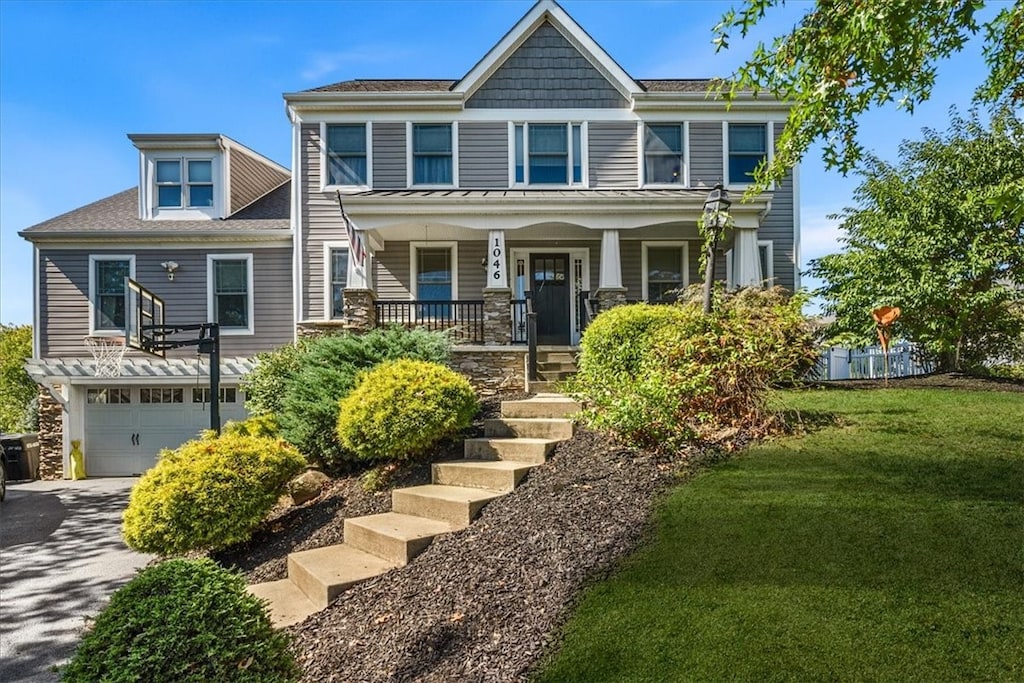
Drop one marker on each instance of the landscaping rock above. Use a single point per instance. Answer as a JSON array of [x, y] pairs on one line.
[[307, 486]]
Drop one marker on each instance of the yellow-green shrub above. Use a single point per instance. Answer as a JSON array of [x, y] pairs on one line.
[[208, 493], [401, 408]]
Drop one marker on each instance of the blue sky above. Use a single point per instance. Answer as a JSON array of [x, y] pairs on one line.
[[76, 77]]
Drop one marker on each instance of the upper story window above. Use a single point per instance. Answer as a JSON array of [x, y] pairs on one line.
[[432, 154], [184, 183], [748, 146], [230, 281], [106, 292], [663, 154], [347, 162], [548, 153]]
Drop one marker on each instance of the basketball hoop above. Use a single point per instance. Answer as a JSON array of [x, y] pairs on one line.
[[108, 352]]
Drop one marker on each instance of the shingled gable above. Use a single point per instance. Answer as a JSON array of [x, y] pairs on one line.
[[579, 58]]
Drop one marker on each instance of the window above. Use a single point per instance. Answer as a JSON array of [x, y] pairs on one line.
[[338, 277], [748, 145], [159, 395], [765, 253], [202, 395], [230, 292], [548, 153], [198, 181], [432, 154], [663, 154], [664, 269], [435, 276], [346, 155], [106, 285], [110, 395]]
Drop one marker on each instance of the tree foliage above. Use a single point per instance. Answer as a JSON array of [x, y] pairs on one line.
[[845, 57], [933, 236], [17, 389]]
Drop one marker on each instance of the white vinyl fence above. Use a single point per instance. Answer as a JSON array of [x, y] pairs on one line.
[[839, 362]]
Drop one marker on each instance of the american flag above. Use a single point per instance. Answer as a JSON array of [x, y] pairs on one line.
[[356, 244]]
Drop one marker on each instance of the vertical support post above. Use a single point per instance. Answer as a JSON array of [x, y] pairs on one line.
[[215, 379], [531, 339]]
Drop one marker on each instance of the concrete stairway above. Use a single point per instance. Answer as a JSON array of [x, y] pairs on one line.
[[493, 465], [553, 366]]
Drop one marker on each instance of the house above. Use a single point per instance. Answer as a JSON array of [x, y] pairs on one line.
[[546, 170]]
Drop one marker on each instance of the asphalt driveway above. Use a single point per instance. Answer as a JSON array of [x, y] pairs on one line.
[[61, 557]]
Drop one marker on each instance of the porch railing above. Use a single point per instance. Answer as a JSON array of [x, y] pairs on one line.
[[518, 321], [464, 320]]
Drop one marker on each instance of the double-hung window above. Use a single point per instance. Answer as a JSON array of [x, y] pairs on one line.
[[748, 146], [663, 154], [184, 183], [434, 273], [338, 265], [432, 154], [230, 292], [107, 274], [548, 153], [665, 271], [346, 154]]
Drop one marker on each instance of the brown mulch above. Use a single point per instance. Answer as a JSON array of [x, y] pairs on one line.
[[946, 380]]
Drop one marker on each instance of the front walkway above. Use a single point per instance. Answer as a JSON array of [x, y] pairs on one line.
[[61, 557]]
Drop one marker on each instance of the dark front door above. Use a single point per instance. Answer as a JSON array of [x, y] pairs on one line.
[[551, 297]]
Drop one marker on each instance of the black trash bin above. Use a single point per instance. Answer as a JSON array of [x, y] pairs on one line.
[[21, 455]]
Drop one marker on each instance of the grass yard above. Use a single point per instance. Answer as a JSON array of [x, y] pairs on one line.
[[888, 547]]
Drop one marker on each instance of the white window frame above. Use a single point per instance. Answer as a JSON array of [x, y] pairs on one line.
[[769, 141], [584, 154], [93, 258], [185, 211], [410, 162], [644, 246], [685, 133], [414, 266], [768, 277], [328, 284], [211, 259], [324, 171]]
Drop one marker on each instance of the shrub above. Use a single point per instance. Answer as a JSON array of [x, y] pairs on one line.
[[257, 425], [183, 620], [401, 408], [658, 379], [328, 370], [208, 493], [265, 384]]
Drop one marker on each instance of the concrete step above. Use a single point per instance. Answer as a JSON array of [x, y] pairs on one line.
[[493, 475], [556, 356], [531, 428], [542, 405], [541, 386], [324, 573], [520, 449], [393, 537], [455, 505], [288, 604], [557, 366], [555, 375]]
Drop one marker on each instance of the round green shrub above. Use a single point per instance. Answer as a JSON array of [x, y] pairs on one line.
[[183, 621], [208, 493], [401, 408]]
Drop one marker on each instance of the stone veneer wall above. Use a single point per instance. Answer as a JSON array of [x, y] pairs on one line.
[[51, 436], [497, 317], [611, 297], [491, 369]]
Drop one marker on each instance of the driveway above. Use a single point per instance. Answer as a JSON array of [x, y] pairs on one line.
[[61, 557]]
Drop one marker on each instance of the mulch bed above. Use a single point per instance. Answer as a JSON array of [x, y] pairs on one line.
[[947, 380]]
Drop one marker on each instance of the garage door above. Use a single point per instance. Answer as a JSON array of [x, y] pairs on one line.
[[126, 427]]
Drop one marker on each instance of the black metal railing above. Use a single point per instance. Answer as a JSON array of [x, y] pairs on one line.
[[464, 320], [518, 321]]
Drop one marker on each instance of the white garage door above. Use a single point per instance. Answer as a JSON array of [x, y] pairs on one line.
[[126, 427]]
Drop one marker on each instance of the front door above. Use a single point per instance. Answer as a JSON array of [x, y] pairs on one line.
[[550, 284]]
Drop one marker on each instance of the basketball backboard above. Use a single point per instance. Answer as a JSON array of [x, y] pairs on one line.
[[144, 319]]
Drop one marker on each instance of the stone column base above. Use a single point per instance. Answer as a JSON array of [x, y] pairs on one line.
[[497, 317], [611, 297], [51, 436]]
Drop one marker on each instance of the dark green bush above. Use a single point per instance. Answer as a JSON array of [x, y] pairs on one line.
[[401, 408], [208, 493], [183, 621], [327, 373], [659, 379]]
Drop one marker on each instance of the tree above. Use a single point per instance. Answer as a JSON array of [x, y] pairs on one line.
[[933, 236], [17, 389], [845, 57]]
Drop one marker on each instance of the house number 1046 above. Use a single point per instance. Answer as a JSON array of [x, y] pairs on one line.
[[499, 258]]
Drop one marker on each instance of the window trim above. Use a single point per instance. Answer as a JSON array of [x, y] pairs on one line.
[[324, 171], [410, 152], [684, 154], [645, 245], [185, 208], [211, 259], [328, 284], [769, 141], [584, 150], [768, 277], [414, 266], [93, 259]]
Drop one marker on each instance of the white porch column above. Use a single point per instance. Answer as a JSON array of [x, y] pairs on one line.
[[746, 259], [358, 277], [497, 266], [611, 260]]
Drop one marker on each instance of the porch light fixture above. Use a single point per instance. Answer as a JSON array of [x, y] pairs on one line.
[[170, 267], [716, 217]]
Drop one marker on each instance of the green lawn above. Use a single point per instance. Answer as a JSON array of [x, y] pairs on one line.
[[889, 547]]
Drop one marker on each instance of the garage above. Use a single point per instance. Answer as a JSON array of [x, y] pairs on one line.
[[127, 426]]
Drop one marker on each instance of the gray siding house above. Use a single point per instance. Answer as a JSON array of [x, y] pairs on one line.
[[546, 172]]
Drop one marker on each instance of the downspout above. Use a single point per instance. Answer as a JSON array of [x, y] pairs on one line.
[[296, 218]]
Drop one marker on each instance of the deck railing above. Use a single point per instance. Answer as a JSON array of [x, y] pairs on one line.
[[518, 321], [464, 320]]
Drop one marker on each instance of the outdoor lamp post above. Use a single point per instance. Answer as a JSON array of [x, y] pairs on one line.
[[716, 215]]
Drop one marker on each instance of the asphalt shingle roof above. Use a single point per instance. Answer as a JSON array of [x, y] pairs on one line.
[[383, 85]]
